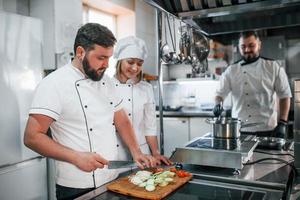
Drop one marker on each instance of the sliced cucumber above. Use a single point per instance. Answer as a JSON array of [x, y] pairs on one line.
[[150, 188]]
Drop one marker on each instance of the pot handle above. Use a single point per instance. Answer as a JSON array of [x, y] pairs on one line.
[[209, 121], [251, 124]]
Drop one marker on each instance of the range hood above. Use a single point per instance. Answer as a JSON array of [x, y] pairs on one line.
[[219, 17]]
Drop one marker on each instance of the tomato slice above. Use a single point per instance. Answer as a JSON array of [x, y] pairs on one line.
[[182, 173], [173, 169], [159, 170]]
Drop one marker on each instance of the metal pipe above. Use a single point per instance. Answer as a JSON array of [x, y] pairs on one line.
[[158, 15]]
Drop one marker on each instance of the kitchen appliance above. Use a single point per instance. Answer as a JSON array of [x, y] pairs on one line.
[[271, 143], [297, 123], [216, 152], [23, 173], [227, 128]]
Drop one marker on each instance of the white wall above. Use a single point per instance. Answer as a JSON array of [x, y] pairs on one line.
[[37, 9], [10, 5], [15, 6], [146, 29], [125, 25], [61, 20]]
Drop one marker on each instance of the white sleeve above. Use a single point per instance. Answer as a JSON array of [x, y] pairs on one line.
[[46, 100], [282, 87], [118, 101], [224, 84], [149, 113]]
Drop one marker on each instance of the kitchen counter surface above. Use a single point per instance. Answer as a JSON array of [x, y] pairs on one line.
[[187, 113], [271, 178]]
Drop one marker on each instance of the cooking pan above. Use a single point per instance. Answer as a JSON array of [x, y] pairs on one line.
[[270, 142], [228, 128]]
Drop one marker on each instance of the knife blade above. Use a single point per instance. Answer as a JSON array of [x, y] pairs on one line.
[[115, 164]]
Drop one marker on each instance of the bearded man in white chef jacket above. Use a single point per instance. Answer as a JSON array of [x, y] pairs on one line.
[[255, 84], [137, 95], [79, 103]]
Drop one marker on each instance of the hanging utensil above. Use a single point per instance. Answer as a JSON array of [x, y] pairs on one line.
[[200, 45], [173, 55], [188, 46], [181, 56], [165, 49]]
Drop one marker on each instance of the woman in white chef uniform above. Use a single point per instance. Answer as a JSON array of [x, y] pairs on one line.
[[137, 95]]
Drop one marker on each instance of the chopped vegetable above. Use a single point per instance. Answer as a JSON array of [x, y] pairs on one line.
[[150, 188], [149, 180], [163, 184], [136, 180]]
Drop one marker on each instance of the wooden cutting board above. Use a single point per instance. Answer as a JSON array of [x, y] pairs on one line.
[[123, 186]]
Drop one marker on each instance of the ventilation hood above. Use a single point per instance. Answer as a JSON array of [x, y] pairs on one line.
[[219, 17]]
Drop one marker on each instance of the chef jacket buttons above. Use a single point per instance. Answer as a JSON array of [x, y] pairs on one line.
[[91, 129], [103, 83], [129, 114], [111, 103], [244, 72], [113, 124], [246, 93], [129, 99], [129, 85], [248, 105], [117, 145], [249, 116], [117, 85], [85, 106], [77, 84]]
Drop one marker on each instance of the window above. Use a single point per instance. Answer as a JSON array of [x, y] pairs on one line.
[[105, 19]]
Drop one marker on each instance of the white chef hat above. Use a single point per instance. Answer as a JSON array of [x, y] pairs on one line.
[[130, 47]]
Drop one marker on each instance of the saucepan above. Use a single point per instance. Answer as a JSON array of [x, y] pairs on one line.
[[228, 128], [271, 142]]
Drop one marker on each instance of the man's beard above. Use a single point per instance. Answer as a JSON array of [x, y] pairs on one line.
[[250, 58], [91, 73]]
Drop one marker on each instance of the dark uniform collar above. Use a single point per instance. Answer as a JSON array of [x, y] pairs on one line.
[[249, 62]]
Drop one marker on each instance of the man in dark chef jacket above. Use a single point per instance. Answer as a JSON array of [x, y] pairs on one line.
[[255, 83], [79, 104]]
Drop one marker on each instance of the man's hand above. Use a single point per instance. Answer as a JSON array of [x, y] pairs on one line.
[[162, 159], [218, 109], [281, 129], [145, 161], [88, 161]]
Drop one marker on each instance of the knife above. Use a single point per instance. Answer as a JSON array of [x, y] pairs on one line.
[[115, 164]]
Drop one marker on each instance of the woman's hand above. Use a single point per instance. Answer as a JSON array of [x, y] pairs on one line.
[[162, 159], [145, 161]]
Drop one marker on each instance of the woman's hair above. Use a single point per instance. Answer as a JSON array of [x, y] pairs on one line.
[[92, 33], [119, 72]]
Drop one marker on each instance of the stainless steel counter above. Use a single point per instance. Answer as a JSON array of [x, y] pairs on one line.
[[265, 180], [190, 113]]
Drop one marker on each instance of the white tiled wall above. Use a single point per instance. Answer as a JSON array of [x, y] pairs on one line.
[[177, 93]]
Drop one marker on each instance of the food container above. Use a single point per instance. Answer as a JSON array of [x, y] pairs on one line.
[[228, 128]]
